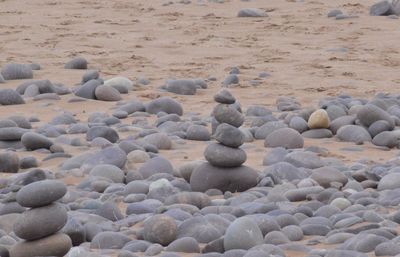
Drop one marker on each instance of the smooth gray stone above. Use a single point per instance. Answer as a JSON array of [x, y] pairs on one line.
[[285, 137], [54, 245], [181, 86], [41, 193], [34, 141], [224, 113], [382, 8], [224, 97], [40, 222], [353, 133], [223, 156], [164, 104], [252, 12], [9, 162], [13, 71], [79, 63], [10, 97], [243, 233]]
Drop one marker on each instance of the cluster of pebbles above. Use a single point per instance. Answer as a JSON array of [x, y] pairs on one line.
[[124, 198]]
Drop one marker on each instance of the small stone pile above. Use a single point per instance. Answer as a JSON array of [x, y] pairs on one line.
[[38, 226], [224, 170]]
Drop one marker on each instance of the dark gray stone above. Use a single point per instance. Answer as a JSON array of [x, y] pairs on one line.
[[224, 113], [229, 135], [33, 141], [41, 193], [10, 97], [285, 137], [9, 162], [164, 104], [160, 229], [252, 12], [353, 133], [78, 63], [11, 71], [104, 132]]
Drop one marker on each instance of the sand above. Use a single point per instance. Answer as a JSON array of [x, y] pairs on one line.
[[307, 55]]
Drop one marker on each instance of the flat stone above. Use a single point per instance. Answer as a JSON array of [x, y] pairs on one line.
[[41, 193], [224, 156]]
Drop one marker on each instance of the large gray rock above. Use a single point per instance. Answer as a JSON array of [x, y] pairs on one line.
[[40, 222], [10, 97], [326, 175], [161, 229], [340, 122], [12, 133], [378, 127], [107, 93], [181, 86], [370, 113], [199, 228], [224, 113], [159, 140], [88, 89], [304, 159], [198, 132], [54, 245], [387, 138], [224, 156], [229, 135], [389, 182], [206, 176], [102, 131], [353, 133], [111, 155], [269, 127], [11, 71], [243, 233], [154, 166], [197, 199], [41, 193], [111, 172], [9, 162], [164, 104], [33, 141], [382, 8], [184, 245], [285, 137]]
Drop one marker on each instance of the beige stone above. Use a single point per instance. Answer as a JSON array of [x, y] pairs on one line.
[[318, 119]]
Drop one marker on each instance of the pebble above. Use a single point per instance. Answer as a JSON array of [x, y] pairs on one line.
[[198, 133], [120, 82], [353, 133], [184, 245], [181, 86], [102, 131], [224, 97], [164, 104], [111, 172], [224, 113]]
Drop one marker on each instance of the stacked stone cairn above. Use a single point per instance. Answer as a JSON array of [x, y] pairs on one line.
[[224, 170], [38, 226]]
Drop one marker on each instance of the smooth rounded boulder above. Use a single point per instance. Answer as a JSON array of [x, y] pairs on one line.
[[78, 63], [326, 175], [243, 233], [54, 245], [181, 86], [33, 141], [164, 104], [285, 137], [353, 133], [389, 182], [13, 71], [41, 193], [237, 179], [370, 113], [160, 229], [40, 222], [10, 97], [102, 131], [224, 156], [387, 139]]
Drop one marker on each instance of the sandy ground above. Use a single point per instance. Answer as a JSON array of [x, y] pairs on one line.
[[307, 55]]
